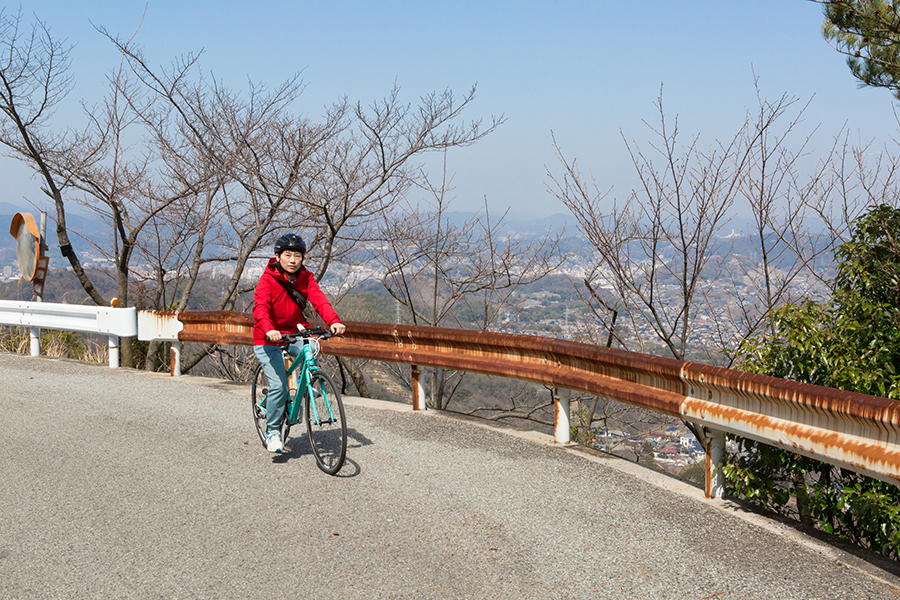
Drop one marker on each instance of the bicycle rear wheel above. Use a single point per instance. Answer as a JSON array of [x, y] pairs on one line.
[[258, 390], [325, 423]]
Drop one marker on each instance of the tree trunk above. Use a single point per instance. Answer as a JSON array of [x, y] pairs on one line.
[[189, 362], [437, 386], [799, 481], [154, 356], [356, 375], [127, 348]]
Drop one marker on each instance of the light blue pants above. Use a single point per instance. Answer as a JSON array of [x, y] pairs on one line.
[[272, 361]]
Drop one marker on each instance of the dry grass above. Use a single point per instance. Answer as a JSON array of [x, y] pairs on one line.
[[55, 344]]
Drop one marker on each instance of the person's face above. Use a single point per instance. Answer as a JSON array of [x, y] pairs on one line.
[[290, 261]]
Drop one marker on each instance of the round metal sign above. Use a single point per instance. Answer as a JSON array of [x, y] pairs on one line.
[[28, 243]]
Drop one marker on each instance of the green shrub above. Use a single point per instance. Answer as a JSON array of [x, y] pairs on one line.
[[850, 342]]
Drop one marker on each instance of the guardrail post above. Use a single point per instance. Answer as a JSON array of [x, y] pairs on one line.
[[715, 451], [561, 429], [34, 333], [113, 352], [175, 358], [418, 392]]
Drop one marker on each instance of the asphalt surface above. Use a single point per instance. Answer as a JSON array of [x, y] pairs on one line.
[[119, 484]]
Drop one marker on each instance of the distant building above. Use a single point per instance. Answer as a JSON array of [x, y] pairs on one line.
[[689, 442], [668, 452]]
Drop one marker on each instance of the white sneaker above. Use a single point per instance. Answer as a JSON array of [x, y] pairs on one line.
[[273, 441]]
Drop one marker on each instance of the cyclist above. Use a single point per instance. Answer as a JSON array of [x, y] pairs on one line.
[[279, 300]]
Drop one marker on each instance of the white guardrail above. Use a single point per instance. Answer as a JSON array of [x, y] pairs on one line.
[[112, 322]]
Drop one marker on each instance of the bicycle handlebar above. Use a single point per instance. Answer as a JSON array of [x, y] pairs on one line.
[[322, 334]]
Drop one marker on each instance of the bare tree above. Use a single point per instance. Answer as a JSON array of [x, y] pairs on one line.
[[859, 177], [456, 273], [662, 261], [131, 187], [772, 263], [800, 219], [655, 251], [259, 152], [34, 80], [329, 180], [188, 172], [122, 181]]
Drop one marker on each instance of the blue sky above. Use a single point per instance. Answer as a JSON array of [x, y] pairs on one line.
[[589, 72]]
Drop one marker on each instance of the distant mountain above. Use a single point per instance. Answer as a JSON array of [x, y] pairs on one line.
[[80, 226], [522, 226], [6, 207], [85, 225], [7, 211], [554, 224]]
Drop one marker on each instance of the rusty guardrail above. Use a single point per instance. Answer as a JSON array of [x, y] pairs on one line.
[[854, 431]]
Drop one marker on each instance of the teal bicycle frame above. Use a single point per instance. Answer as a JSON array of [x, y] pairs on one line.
[[306, 362]]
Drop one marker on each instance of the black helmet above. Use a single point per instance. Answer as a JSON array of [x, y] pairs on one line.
[[290, 241]]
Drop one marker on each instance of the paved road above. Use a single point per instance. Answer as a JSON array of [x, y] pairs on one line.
[[120, 484]]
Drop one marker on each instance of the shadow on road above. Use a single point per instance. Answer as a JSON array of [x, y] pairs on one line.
[[298, 447]]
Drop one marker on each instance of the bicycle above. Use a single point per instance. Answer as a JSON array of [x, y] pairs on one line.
[[320, 400]]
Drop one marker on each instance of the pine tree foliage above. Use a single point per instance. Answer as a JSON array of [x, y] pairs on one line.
[[868, 33]]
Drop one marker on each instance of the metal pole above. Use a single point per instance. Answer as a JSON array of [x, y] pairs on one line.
[[175, 355], [42, 265], [113, 352], [418, 392], [35, 334], [715, 450], [561, 429]]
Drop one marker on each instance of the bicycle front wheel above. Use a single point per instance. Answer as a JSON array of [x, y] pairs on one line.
[[325, 423]]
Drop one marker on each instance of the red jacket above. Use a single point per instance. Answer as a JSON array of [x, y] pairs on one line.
[[273, 308]]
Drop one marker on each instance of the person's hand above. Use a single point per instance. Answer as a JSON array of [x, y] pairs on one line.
[[273, 335], [338, 328]]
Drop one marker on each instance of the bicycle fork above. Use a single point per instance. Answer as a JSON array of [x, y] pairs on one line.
[[311, 394]]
